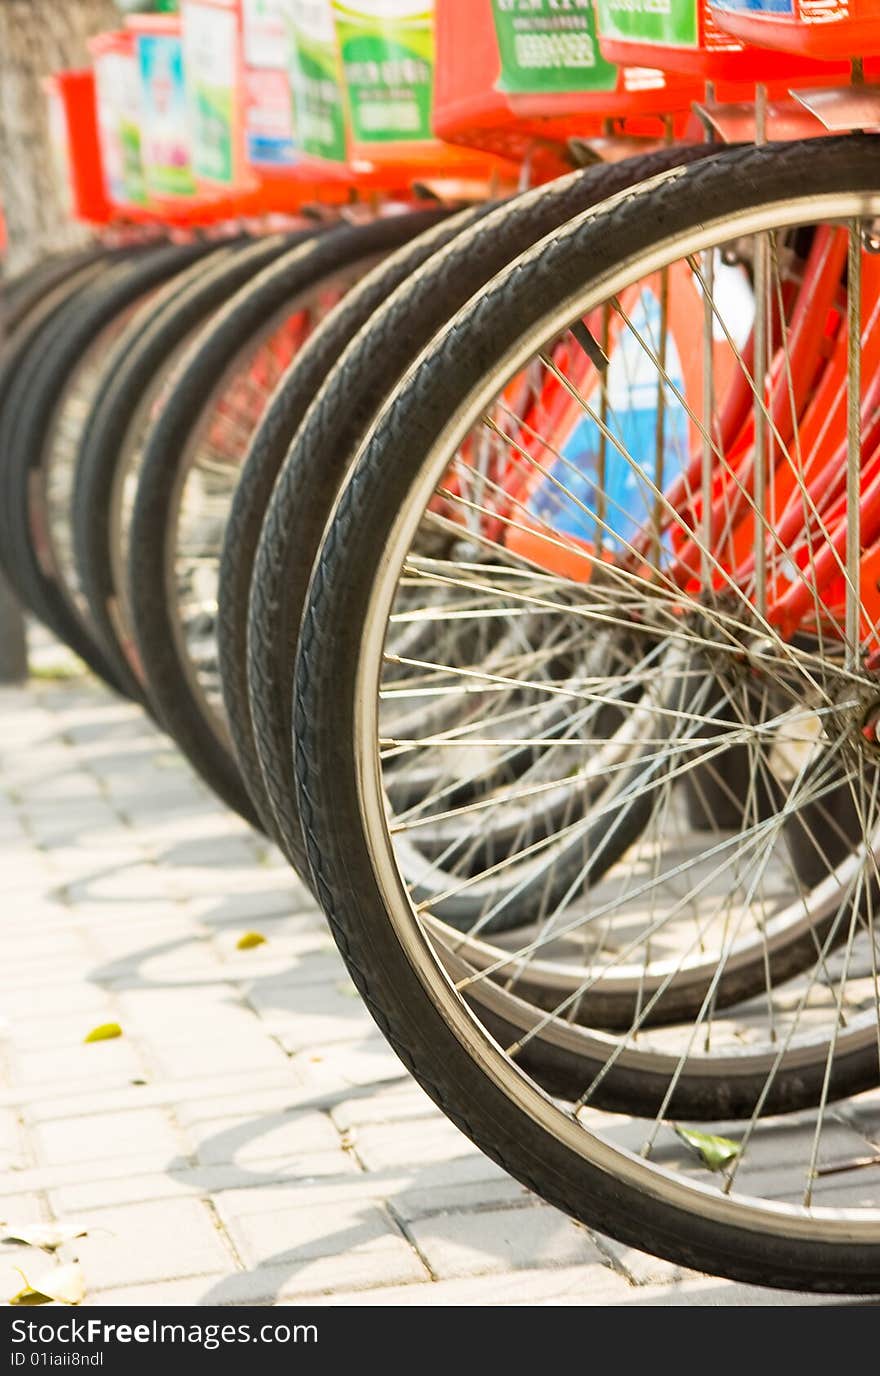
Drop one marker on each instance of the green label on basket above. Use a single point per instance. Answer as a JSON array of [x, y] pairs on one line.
[[671, 22], [132, 161], [165, 143], [211, 53], [387, 51], [550, 45], [316, 80], [118, 106]]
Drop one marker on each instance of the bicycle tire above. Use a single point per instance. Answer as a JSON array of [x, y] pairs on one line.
[[141, 358], [37, 570], [457, 1064], [340, 416]]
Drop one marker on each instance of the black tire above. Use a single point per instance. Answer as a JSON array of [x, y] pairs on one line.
[[19, 354], [37, 573], [508, 1117], [318, 258], [141, 360], [341, 415], [289, 404], [21, 294]]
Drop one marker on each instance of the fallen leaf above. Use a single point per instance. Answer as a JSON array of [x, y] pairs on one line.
[[250, 940], [104, 1032], [715, 1152], [49, 1236], [64, 1285]]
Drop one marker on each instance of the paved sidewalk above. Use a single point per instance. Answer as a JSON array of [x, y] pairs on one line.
[[249, 1139]]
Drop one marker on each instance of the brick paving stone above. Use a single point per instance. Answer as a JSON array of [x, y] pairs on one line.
[[99, 1064], [368, 1061], [470, 1243], [460, 1196], [294, 1235], [159, 1240], [293, 1137], [101, 1136], [380, 1145], [22, 1208], [156, 1295], [396, 1104], [592, 1284], [385, 1261]]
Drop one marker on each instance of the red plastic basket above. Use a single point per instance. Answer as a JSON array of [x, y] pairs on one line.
[[684, 37], [73, 121], [809, 28], [508, 77]]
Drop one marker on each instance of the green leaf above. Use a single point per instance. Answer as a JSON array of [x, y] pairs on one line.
[[104, 1032], [715, 1152], [62, 1285], [249, 941]]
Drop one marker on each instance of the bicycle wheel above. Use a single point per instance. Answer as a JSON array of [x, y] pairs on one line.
[[23, 293], [190, 471], [336, 422], [674, 537], [41, 462], [20, 353], [139, 376], [424, 232]]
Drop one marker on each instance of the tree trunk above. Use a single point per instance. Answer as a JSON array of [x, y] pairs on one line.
[[38, 37]]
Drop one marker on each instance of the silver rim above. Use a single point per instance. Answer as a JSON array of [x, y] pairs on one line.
[[729, 1201]]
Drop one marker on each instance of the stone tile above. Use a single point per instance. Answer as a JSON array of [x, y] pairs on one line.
[[291, 1236], [396, 1104], [383, 1262], [591, 1285], [380, 1145], [366, 1062], [100, 1136], [461, 1197], [22, 1208], [245, 1139], [159, 1294], [466, 1244], [157, 1241]]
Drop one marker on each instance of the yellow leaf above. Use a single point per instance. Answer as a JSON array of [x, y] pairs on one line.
[[250, 940], [49, 1236], [63, 1284], [105, 1032]]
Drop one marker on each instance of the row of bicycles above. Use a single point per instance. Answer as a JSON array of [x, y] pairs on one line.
[[514, 565]]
